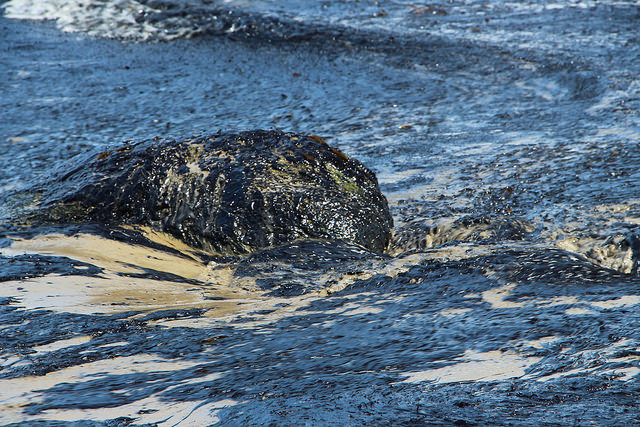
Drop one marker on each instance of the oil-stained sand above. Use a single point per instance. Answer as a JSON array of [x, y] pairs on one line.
[[473, 115], [433, 332]]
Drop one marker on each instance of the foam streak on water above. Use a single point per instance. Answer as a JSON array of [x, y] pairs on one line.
[[98, 18]]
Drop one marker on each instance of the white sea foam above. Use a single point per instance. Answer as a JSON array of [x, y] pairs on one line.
[[104, 18]]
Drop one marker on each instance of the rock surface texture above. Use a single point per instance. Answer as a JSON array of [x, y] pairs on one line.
[[227, 193]]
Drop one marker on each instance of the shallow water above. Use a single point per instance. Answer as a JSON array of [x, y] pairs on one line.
[[475, 116]]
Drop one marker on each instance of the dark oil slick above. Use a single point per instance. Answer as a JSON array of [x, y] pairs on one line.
[[504, 135]]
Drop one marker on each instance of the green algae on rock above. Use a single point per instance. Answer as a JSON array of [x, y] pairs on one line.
[[227, 193]]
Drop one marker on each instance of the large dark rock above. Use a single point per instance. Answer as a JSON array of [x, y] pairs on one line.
[[226, 193]]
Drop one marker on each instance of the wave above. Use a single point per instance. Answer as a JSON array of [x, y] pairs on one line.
[[102, 18], [479, 21], [439, 38], [162, 21]]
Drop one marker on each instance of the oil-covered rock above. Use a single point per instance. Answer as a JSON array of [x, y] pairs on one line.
[[226, 193]]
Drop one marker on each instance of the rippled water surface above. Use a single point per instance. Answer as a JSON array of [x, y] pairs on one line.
[[505, 136]]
